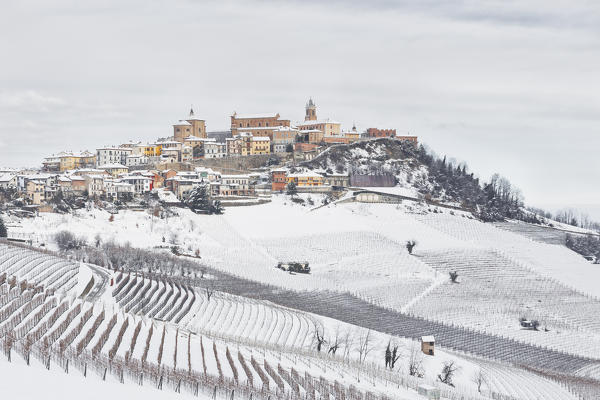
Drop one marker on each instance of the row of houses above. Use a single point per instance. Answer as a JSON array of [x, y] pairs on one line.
[[116, 183], [282, 177]]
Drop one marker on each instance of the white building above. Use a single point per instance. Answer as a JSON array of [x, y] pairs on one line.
[[8, 181], [116, 190], [214, 150], [141, 184], [94, 184], [112, 155], [133, 160], [235, 185]]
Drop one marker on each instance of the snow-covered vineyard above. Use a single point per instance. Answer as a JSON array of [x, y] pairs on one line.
[[246, 318], [250, 348]]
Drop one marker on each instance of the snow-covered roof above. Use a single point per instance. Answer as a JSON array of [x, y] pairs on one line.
[[311, 131], [182, 123], [428, 338], [317, 122], [235, 177], [6, 177], [198, 139], [261, 138], [125, 149], [255, 116], [257, 128], [112, 166], [305, 174], [287, 128], [167, 142]]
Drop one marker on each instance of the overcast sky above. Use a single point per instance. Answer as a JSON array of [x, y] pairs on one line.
[[506, 86]]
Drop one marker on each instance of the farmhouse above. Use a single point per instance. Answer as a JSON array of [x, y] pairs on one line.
[[428, 345]]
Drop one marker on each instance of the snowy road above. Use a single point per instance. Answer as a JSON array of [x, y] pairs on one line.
[[101, 278]]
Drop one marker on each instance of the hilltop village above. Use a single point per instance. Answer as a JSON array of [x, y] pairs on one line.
[[242, 166]]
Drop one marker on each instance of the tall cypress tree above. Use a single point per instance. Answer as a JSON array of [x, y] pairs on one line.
[[3, 230]]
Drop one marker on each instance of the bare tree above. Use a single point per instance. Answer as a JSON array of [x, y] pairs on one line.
[[453, 276], [333, 347], [319, 338], [347, 344], [395, 356], [415, 362], [209, 293], [480, 379], [364, 346], [448, 371], [410, 245]]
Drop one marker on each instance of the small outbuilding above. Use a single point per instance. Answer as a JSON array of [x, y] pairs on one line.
[[430, 392], [428, 345]]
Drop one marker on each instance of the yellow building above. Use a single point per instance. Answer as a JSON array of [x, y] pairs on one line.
[[66, 161], [114, 169], [149, 150], [260, 145], [305, 179], [35, 192]]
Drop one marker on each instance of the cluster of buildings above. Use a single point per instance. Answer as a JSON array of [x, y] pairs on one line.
[[121, 172], [248, 135], [40, 188]]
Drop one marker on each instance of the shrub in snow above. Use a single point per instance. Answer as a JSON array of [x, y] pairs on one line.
[[66, 240]]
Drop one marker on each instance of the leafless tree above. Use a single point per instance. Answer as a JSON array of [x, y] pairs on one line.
[[335, 344], [480, 379], [347, 341], [410, 245], [448, 370], [453, 276], [209, 293], [319, 338], [415, 362], [364, 346]]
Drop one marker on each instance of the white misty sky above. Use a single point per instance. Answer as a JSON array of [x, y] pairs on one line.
[[507, 86]]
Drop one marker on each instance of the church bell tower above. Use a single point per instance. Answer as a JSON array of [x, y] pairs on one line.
[[311, 111]]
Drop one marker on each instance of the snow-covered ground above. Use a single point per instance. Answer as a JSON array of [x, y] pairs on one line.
[[360, 249]]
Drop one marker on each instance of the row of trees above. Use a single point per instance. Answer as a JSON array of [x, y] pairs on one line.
[[493, 201]]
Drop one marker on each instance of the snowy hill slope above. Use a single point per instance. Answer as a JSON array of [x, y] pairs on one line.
[[91, 339]]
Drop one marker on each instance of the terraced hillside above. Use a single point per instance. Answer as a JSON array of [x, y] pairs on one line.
[[128, 348]]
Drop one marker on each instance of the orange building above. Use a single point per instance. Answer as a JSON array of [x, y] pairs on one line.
[[379, 133], [413, 139], [257, 125], [278, 180]]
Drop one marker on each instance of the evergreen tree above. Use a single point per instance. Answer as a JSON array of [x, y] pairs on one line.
[[3, 230], [199, 199], [292, 190]]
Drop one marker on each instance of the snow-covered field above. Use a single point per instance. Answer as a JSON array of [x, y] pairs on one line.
[[355, 248]]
